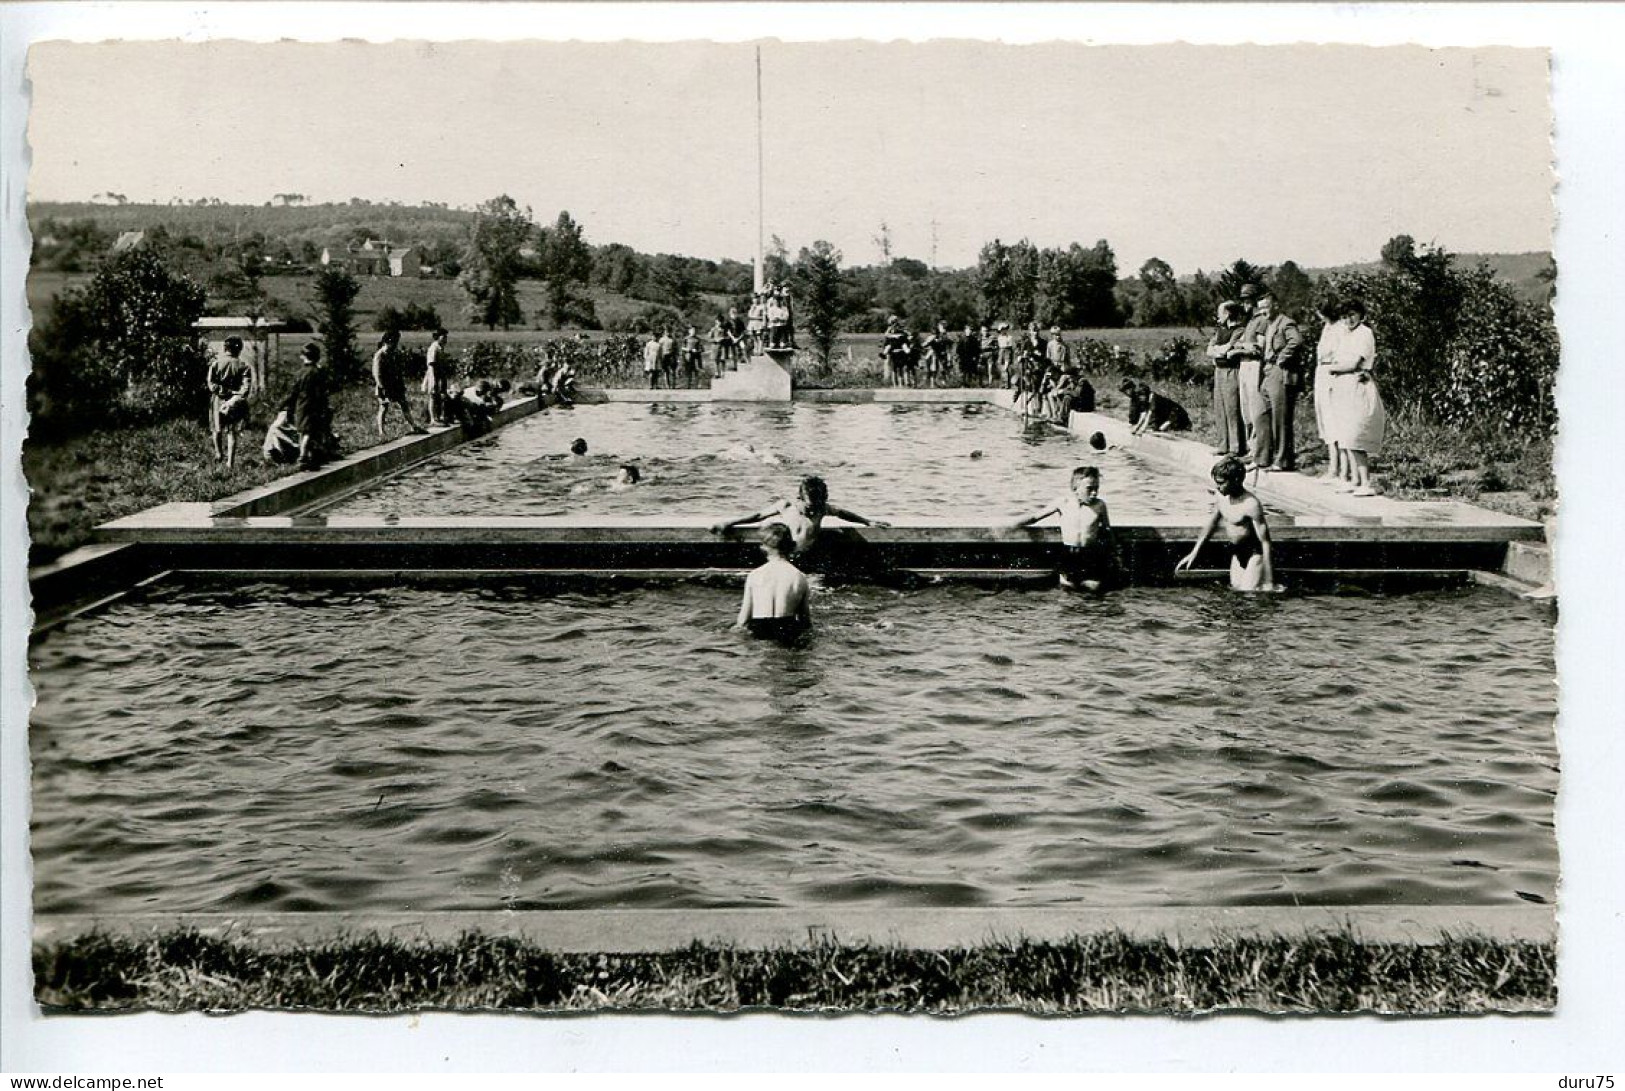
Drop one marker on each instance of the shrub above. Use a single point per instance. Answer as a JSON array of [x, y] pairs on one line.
[[1502, 363], [1172, 363], [414, 316], [1096, 357], [120, 349]]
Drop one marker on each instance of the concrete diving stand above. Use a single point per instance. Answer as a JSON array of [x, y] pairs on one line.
[[765, 377]]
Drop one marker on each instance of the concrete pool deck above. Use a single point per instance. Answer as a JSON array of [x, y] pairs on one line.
[[651, 930]]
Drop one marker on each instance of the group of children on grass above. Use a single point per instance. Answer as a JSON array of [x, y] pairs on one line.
[[301, 431], [776, 601]]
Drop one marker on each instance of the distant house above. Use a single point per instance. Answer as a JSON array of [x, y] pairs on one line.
[[376, 259], [129, 240]]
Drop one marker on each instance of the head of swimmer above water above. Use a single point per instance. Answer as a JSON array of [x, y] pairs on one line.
[[777, 541], [814, 496], [1086, 482], [1228, 475]]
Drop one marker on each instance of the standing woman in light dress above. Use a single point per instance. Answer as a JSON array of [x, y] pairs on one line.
[[1358, 404], [1326, 409]]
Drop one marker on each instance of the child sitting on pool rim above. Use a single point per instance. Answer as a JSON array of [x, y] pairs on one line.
[[1086, 532], [1242, 516], [775, 603], [803, 515]]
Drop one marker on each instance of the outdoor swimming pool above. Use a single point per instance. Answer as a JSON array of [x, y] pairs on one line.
[[519, 744], [880, 460]]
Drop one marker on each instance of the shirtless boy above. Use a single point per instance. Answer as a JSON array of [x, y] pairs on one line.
[[1086, 532], [775, 603], [803, 516], [1242, 517]]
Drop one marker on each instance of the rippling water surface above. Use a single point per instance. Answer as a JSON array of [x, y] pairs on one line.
[[532, 747], [880, 460]]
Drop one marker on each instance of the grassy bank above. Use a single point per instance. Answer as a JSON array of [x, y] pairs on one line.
[[188, 971], [79, 482]]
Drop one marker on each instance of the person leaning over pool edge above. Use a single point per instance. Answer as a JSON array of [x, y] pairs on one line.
[[803, 515], [775, 603], [1242, 516]]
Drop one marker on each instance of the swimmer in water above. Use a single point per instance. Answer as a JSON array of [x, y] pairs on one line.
[[802, 515], [630, 475], [1086, 532], [746, 452], [578, 448], [1242, 517], [775, 602]]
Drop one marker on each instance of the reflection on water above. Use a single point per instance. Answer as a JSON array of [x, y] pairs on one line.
[[515, 744], [941, 461]]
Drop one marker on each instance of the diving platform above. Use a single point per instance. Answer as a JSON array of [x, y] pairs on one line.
[[765, 377]]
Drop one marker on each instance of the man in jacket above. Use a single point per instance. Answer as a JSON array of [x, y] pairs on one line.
[[1281, 353]]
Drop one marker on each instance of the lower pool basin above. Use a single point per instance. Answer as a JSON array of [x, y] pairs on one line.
[[530, 745]]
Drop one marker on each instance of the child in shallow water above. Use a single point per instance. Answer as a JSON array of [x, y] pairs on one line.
[[1241, 515], [1086, 532]]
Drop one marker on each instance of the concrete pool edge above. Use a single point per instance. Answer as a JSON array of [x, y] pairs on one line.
[[652, 930]]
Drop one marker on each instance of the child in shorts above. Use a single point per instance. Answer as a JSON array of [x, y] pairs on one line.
[[1241, 515], [1086, 533]]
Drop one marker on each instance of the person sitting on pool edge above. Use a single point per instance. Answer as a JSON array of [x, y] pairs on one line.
[[775, 603], [1086, 532], [1242, 516], [802, 515]]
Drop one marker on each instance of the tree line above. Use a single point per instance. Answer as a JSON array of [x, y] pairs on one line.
[[1461, 345]]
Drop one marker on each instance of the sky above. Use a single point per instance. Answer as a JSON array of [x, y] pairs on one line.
[[1195, 154]]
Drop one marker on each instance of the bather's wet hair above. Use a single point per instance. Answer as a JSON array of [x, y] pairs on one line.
[[1097, 440], [1228, 474], [816, 492], [777, 537], [579, 447], [632, 472]]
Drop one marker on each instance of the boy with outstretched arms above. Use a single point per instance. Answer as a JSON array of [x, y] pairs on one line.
[[1086, 532], [1242, 517], [775, 602], [803, 515]]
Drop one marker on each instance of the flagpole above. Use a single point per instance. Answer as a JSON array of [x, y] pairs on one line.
[[761, 187]]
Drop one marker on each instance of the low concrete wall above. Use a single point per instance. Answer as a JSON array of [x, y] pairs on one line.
[[648, 930], [84, 576], [95, 571], [306, 487]]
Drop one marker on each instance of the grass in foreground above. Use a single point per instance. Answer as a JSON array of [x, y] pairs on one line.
[[185, 970]]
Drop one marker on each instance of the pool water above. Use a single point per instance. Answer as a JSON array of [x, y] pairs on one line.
[[975, 462], [533, 745]]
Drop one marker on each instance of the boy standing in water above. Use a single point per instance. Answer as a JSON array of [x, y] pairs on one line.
[[802, 516], [1242, 517], [775, 603], [1086, 532]]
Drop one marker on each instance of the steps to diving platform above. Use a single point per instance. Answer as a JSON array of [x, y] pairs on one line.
[[764, 377]]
